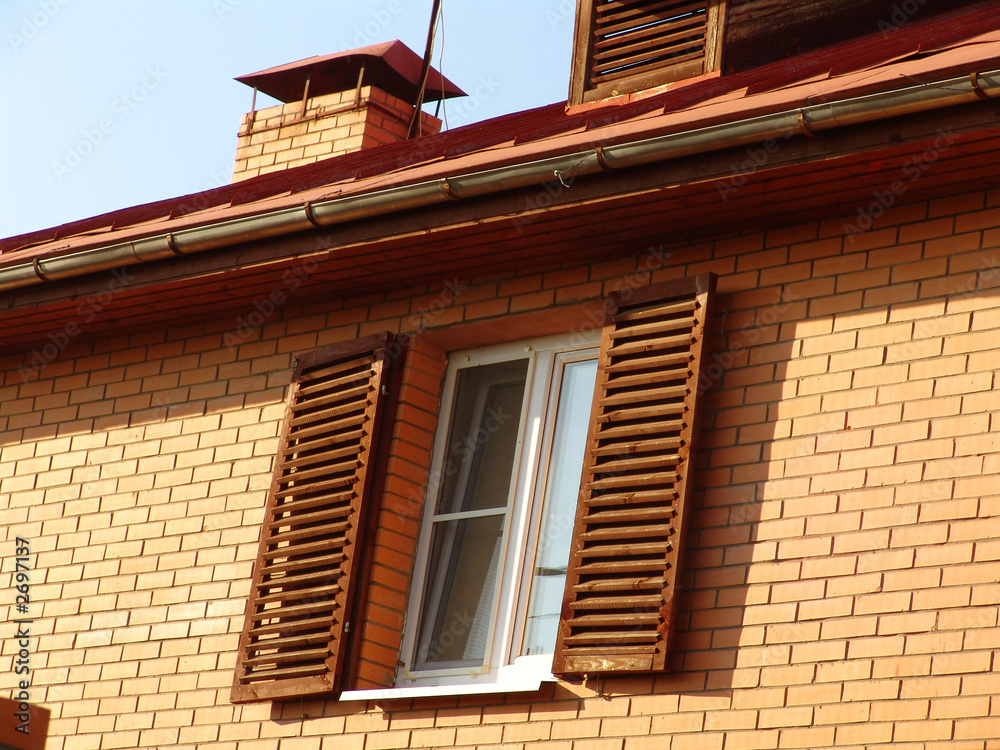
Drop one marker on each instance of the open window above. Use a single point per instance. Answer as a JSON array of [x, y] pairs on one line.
[[491, 564], [553, 521], [622, 46]]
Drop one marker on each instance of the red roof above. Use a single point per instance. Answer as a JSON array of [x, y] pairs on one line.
[[947, 45]]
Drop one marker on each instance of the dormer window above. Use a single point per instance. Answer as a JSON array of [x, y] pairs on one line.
[[623, 46]]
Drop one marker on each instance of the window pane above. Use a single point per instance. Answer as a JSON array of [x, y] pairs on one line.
[[482, 438], [559, 510], [461, 585]]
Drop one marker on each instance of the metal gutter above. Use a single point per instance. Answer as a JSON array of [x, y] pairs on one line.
[[806, 120]]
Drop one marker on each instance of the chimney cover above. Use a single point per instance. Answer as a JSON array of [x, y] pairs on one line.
[[390, 66]]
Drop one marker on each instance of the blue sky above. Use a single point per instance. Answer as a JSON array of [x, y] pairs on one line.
[[113, 103]]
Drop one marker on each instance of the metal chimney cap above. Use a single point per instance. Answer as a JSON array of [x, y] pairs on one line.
[[390, 66]]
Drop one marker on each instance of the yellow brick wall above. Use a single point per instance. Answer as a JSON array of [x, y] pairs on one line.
[[284, 136], [843, 570]]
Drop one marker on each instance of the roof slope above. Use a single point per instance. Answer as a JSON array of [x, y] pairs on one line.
[[953, 43]]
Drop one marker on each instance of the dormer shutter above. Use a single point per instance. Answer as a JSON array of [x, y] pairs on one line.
[[624, 46]]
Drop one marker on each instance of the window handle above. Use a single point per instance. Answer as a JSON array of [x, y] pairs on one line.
[[551, 571]]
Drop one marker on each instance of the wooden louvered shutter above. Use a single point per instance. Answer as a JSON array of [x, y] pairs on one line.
[[620, 587], [300, 598], [629, 45]]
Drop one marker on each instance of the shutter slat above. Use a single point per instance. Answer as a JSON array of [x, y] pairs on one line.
[[630, 515], [656, 327], [314, 592], [626, 550], [337, 379], [291, 611], [658, 362], [600, 621], [631, 448], [674, 308], [587, 639], [302, 489], [626, 39], [326, 531], [616, 602], [308, 458], [314, 654], [620, 584], [642, 396], [287, 581], [310, 639], [619, 594], [326, 373], [651, 461], [624, 499], [305, 433], [648, 344], [278, 674], [310, 417], [261, 632], [647, 44], [298, 519], [641, 480], [301, 592], [316, 501], [644, 14], [620, 533], [620, 566], [642, 412], [299, 475], [631, 432], [322, 545], [647, 378]]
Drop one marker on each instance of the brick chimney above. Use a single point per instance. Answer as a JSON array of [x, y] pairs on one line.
[[334, 105]]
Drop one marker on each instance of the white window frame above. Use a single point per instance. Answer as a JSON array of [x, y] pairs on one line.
[[504, 669]]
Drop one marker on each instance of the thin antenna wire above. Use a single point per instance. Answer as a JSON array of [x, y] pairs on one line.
[[424, 70], [442, 106]]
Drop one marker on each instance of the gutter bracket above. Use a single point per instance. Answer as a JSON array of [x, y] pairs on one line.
[[308, 209], [602, 161], [37, 268], [977, 88], [800, 118], [446, 187]]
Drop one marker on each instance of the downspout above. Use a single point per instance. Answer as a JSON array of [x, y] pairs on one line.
[[806, 120]]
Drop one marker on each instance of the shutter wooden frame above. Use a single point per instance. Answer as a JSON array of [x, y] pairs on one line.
[[598, 70], [621, 585], [293, 640]]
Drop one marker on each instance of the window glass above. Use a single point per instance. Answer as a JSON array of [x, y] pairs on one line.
[[467, 533], [559, 510]]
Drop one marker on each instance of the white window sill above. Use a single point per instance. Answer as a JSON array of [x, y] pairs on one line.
[[526, 675]]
